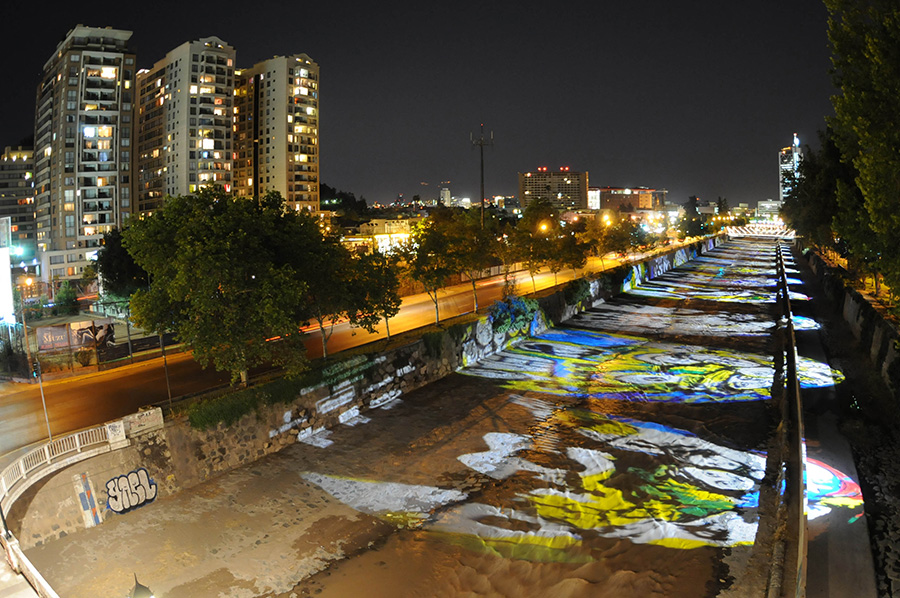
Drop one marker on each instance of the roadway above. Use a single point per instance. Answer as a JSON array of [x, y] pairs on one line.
[[83, 401]]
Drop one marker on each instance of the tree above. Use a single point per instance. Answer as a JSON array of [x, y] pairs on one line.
[[67, 298], [865, 42], [535, 235], [691, 225], [470, 246], [508, 252], [722, 206], [427, 260], [811, 204], [570, 252], [227, 274], [120, 275], [377, 283]]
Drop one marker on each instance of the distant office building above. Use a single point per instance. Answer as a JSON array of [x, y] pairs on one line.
[[185, 122], [445, 196], [83, 146], [789, 159], [276, 121], [593, 198], [17, 199], [769, 208], [631, 198], [565, 189]]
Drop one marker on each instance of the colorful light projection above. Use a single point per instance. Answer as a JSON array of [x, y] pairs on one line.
[[649, 319], [679, 290], [582, 475], [827, 489], [587, 364]]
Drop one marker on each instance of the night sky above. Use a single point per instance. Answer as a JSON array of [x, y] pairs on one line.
[[696, 97]]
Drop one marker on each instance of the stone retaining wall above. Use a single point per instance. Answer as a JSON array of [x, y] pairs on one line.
[[162, 460], [878, 337]]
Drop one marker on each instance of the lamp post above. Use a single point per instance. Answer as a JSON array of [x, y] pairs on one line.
[[36, 364], [139, 590]]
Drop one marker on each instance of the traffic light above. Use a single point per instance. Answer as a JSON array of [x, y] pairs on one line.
[[35, 369]]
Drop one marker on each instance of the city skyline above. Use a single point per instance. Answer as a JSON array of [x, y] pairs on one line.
[[695, 99]]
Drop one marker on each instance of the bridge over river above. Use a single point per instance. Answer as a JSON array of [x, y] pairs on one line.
[[622, 454]]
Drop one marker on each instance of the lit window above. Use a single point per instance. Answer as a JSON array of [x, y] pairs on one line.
[[193, 89], [208, 144], [90, 131], [108, 72]]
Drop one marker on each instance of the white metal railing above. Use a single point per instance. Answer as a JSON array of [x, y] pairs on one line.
[[46, 454], [17, 473]]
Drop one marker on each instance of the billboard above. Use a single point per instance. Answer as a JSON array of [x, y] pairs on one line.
[[7, 311]]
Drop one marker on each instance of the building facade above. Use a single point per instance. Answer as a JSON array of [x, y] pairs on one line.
[[276, 123], [789, 159], [83, 152], [631, 198], [185, 121], [565, 189], [17, 200]]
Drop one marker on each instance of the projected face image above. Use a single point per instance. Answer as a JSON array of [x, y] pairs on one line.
[[588, 364]]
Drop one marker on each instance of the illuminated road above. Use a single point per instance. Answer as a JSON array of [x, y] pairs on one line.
[[73, 404], [621, 455]]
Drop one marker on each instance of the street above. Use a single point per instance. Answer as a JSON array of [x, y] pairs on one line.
[[76, 403]]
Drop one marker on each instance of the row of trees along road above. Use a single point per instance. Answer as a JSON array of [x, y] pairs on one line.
[[847, 197], [227, 275]]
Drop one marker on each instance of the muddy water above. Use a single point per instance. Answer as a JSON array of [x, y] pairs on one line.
[[622, 455]]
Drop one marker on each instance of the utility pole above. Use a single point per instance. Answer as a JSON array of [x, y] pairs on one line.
[[480, 143]]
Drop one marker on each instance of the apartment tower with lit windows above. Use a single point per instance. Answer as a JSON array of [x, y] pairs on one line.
[[185, 139], [276, 119], [83, 132], [17, 198]]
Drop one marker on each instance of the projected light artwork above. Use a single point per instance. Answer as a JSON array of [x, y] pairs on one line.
[[584, 475], [588, 364], [827, 488]]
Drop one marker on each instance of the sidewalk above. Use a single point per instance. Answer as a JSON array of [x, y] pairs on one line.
[[13, 585], [839, 557]]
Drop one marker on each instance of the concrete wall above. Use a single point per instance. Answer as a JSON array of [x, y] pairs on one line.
[[877, 336], [164, 458]]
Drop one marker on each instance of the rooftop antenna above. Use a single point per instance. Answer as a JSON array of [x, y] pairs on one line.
[[480, 143]]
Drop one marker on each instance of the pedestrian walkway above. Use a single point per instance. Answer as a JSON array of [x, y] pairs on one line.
[[13, 585], [839, 556]]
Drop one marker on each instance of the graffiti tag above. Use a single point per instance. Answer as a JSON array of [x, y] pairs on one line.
[[130, 491]]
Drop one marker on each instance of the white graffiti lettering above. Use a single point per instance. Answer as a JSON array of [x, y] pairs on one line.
[[130, 491]]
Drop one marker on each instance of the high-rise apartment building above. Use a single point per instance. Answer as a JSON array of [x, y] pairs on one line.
[[566, 190], [276, 120], [17, 198], [83, 154], [789, 159], [185, 112]]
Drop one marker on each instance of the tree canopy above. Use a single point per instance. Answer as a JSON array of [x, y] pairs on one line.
[[226, 274], [865, 42]]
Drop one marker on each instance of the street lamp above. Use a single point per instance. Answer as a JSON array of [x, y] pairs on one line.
[[36, 364], [139, 590]]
